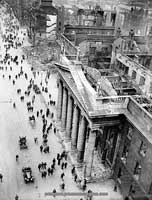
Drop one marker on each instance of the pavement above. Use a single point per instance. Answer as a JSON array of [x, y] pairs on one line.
[[15, 123]]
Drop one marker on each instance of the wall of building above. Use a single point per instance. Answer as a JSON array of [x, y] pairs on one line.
[[134, 154]]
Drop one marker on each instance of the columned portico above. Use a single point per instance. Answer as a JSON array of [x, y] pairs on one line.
[[69, 117], [90, 152], [81, 139], [64, 108], [74, 135], [59, 103]]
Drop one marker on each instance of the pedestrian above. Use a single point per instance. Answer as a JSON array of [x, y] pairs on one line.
[[66, 156], [63, 186], [59, 160], [36, 140], [44, 174], [75, 178], [54, 130], [53, 166], [37, 113], [14, 105], [1, 178], [41, 148], [115, 187], [62, 165], [17, 157], [54, 193], [65, 165], [49, 171], [16, 197], [62, 175], [54, 160], [58, 156], [39, 166], [73, 170]]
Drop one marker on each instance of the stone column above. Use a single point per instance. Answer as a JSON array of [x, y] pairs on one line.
[[81, 139], [69, 118], [74, 136], [90, 153], [64, 109], [59, 104]]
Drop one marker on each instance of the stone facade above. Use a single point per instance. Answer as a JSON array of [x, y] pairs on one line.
[[120, 145]]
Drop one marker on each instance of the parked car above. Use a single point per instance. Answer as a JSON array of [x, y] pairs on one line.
[[27, 175]]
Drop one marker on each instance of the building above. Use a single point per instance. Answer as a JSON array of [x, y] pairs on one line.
[[113, 119]]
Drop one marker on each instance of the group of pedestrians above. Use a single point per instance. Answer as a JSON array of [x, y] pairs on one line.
[[9, 63]]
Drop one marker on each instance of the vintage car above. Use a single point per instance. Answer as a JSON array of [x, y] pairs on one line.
[[27, 175], [22, 143]]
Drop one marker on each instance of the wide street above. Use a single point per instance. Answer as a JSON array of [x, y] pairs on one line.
[[14, 122]]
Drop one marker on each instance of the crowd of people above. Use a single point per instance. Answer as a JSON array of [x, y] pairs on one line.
[[12, 40]]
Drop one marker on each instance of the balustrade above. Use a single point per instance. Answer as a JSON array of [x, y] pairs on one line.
[[68, 45]]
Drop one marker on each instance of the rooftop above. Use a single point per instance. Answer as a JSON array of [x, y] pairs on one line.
[[98, 106]]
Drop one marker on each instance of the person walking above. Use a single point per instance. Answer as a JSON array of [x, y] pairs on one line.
[[54, 192], [62, 175], [36, 140], [17, 157], [75, 178], [1, 178], [62, 165], [16, 197], [41, 148]]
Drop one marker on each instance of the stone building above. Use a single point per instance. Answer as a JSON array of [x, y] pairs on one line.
[[113, 121]]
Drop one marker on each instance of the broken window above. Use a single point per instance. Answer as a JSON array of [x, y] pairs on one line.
[[142, 80], [134, 74], [143, 149], [119, 175], [137, 170], [130, 132], [125, 153]]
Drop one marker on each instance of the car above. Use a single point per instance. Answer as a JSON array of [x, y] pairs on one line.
[[22, 143], [27, 175]]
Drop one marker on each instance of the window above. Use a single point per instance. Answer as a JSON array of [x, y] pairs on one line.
[[142, 80], [92, 50], [119, 175], [131, 190], [130, 132], [134, 74], [125, 154], [137, 170], [142, 149], [126, 70], [110, 137], [150, 88]]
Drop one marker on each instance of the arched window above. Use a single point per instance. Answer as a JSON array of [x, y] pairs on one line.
[[134, 74]]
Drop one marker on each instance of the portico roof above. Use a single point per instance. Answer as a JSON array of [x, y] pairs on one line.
[[85, 93]]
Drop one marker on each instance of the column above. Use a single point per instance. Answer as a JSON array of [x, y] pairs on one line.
[[64, 109], [90, 153], [69, 118], [81, 140], [74, 135], [59, 104]]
